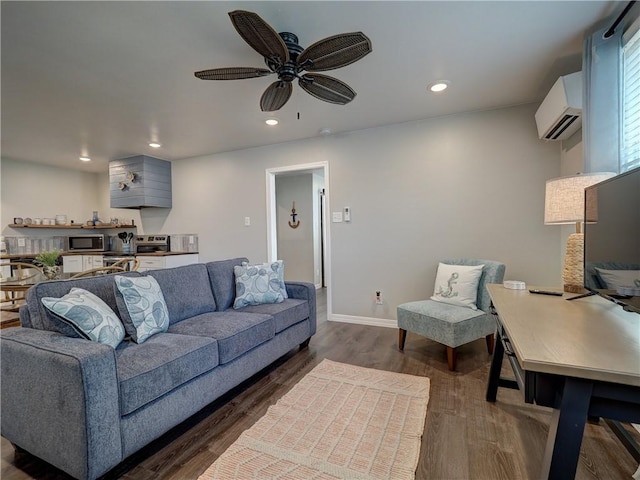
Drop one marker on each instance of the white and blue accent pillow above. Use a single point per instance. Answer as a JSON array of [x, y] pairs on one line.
[[88, 315], [457, 285], [142, 306], [259, 284]]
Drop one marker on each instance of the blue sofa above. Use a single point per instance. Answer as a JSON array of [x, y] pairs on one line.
[[84, 406]]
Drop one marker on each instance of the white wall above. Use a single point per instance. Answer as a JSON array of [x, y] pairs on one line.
[[40, 191], [468, 185]]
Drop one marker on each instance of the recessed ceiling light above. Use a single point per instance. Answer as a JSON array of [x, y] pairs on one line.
[[155, 145], [85, 159], [271, 121], [439, 86]]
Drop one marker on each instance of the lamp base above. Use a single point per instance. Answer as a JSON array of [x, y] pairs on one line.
[[573, 272], [574, 288]]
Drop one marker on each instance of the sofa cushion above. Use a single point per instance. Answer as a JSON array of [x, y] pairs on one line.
[[257, 284], [223, 282], [285, 314], [88, 315], [39, 317], [164, 362], [142, 307], [186, 290], [235, 332]]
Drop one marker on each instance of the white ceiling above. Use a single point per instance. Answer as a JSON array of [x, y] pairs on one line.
[[105, 78]]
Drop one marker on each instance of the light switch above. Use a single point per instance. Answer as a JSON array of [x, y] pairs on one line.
[[347, 214], [247, 221], [336, 217]]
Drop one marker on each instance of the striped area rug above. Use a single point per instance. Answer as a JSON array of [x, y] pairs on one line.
[[340, 421]]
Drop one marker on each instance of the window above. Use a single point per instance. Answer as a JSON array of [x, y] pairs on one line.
[[630, 141]]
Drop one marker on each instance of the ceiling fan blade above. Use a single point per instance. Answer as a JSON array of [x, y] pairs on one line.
[[259, 35], [327, 88], [275, 96], [335, 52], [232, 73]]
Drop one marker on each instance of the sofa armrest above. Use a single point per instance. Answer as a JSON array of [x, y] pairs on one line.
[[60, 400], [304, 291]]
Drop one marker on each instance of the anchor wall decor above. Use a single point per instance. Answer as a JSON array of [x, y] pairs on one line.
[[293, 223]]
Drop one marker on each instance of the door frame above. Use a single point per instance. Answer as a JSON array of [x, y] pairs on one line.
[[272, 232]]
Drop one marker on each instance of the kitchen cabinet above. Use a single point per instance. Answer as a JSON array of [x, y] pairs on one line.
[[80, 263], [165, 261]]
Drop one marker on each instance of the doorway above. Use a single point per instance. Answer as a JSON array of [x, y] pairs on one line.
[[300, 225]]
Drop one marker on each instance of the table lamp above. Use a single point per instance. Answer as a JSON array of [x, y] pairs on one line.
[[564, 204]]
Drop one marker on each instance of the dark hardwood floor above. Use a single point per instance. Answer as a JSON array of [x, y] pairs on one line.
[[465, 437]]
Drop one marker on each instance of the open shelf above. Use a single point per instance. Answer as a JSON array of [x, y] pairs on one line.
[[75, 226]]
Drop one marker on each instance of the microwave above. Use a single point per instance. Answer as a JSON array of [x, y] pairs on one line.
[[86, 243]]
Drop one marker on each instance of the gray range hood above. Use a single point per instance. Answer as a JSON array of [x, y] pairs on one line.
[[140, 181]]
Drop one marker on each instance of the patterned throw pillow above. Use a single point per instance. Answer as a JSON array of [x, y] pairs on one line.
[[144, 312], [258, 284], [280, 270], [457, 285], [88, 315]]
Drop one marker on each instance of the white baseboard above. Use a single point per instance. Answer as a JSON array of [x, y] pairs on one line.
[[371, 321]]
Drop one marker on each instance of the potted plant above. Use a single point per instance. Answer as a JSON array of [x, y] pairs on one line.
[[48, 260]]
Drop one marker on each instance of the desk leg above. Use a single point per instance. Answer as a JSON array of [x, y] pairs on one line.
[[566, 430], [494, 371]]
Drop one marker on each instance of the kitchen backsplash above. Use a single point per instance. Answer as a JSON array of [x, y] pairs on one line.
[[30, 245], [187, 242]]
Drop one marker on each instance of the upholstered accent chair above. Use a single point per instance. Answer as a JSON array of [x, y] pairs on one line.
[[454, 325]]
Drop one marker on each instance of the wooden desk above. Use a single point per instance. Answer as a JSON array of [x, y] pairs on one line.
[[581, 358]]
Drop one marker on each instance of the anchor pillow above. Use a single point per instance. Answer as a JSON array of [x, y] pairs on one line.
[[457, 285]]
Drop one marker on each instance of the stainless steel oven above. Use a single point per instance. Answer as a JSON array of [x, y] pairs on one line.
[[86, 243], [153, 243]]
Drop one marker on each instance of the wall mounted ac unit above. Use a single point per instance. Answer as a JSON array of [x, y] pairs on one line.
[[560, 113]]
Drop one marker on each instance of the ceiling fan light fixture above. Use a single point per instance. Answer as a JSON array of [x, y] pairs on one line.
[[272, 122], [155, 144], [439, 86], [85, 159]]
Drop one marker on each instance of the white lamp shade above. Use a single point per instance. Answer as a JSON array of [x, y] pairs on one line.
[[564, 197]]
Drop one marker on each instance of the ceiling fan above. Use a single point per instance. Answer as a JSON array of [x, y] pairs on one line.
[[288, 60]]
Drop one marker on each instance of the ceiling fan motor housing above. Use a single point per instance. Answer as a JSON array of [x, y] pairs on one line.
[[287, 71]]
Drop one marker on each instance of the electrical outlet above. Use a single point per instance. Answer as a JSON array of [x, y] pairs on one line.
[[247, 221], [379, 300]]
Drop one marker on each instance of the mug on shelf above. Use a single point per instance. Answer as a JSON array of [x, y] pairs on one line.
[[17, 220], [37, 221]]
